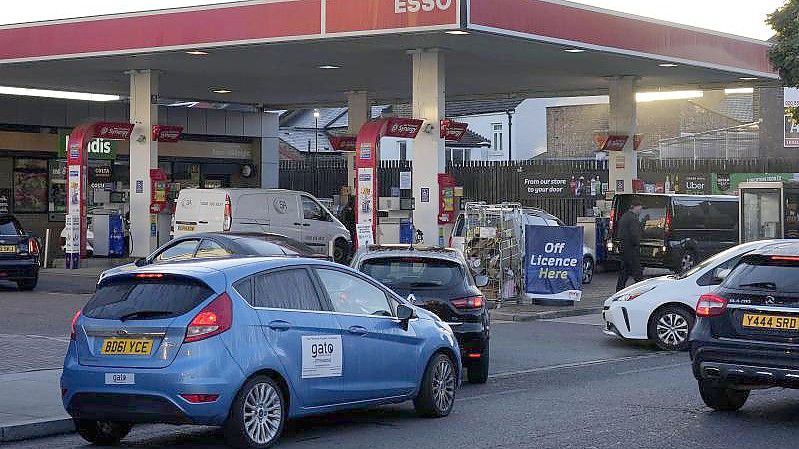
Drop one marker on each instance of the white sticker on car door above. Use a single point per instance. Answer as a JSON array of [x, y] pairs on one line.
[[321, 356]]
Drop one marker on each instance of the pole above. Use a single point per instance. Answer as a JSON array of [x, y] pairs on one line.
[[510, 134], [316, 156]]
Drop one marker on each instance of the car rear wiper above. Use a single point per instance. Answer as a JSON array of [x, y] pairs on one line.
[[763, 285], [145, 314], [424, 284]]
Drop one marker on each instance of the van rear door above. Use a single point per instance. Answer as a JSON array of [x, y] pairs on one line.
[[199, 210]]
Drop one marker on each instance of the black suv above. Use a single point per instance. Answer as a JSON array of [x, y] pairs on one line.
[[679, 231], [747, 332], [19, 254], [437, 279]]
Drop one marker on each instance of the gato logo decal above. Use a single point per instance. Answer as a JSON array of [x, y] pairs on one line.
[[414, 6]]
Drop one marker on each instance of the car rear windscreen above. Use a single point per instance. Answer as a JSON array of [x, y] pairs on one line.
[[146, 299], [414, 272], [653, 214], [8, 227], [765, 275]]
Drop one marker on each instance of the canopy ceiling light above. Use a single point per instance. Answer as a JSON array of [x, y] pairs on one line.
[[61, 94]]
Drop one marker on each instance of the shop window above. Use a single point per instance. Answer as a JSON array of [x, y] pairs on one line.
[[6, 187], [30, 185]]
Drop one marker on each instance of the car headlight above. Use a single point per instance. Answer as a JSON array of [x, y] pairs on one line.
[[633, 294]]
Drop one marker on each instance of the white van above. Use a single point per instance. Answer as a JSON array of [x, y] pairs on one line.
[[297, 215]]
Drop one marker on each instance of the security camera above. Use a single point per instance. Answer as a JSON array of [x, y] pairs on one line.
[[428, 128], [141, 139]]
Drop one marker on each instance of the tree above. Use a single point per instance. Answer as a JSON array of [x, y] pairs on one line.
[[784, 54]]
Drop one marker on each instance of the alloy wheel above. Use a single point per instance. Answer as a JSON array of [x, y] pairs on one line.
[[672, 329], [444, 385], [263, 413]]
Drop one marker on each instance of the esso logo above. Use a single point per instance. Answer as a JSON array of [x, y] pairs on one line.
[[413, 6]]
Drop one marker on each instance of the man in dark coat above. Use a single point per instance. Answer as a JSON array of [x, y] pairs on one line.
[[630, 240]]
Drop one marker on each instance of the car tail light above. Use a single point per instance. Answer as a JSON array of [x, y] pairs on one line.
[[667, 225], [474, 355], [472, 302], [784, 258], [149, 276], [33, 247], [73, 332], [710, 306], [200, 398], [214, 319], [228, 214]]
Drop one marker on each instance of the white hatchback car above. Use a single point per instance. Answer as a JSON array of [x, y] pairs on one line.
[[662, 309]]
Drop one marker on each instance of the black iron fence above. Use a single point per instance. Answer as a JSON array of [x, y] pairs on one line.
[[496, 182]]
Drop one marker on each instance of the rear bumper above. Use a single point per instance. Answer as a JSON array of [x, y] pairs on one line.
[[472, 340], [670, 258], [18, 269], [154, 395], [744, 364]]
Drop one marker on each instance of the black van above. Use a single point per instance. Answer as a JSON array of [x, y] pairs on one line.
[[679, 231]]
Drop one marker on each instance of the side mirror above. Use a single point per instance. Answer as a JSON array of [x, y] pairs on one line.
[[405, 314], [140, 262], [481, 280]]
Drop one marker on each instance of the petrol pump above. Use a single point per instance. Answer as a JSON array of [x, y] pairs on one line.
[[769, 210]]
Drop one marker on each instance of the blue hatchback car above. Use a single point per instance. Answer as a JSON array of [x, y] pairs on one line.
[[246, 344]]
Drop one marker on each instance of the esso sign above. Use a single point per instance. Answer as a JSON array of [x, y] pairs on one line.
[[413, 6]]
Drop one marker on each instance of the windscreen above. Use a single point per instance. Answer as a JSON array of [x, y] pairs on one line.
[[275, 246], [131, 298], [8, 227], [414, 272], [765, 275], [653, 214]]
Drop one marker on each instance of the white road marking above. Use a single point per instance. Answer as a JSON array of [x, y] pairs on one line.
[[654, 368], [43, 337], [588, 363]]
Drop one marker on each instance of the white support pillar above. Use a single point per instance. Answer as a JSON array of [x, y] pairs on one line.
[[623, 165], [269, 157], [428, 147], [358, 113], [143, 157]]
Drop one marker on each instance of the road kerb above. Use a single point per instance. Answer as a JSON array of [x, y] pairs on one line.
[[35, 429], [547, 315]]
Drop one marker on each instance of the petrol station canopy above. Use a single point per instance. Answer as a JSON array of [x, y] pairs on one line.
[[288, 53]]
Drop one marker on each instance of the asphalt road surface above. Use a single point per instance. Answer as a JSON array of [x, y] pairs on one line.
[[554, 384], [558, 384]]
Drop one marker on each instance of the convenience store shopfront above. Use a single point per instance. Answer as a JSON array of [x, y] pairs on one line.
[[33, 173]]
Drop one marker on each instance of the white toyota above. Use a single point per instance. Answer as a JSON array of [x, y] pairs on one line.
[[662, 309]]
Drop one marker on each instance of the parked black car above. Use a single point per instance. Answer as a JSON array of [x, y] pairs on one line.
[[747, 333], [438, 280], [679, 231], [213, 245], [19, 254]]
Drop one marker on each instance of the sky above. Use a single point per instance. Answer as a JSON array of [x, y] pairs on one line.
[[741, 17]]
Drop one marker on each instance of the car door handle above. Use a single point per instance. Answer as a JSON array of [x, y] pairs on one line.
[[307, 225], [297, 224], [279, 325], [357, 330]]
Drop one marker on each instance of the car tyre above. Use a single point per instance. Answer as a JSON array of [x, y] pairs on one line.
[[102, 433], [670, 327], [588, 270], [437, 393], [257, 415], [477, 372], [721, 397], [27, 285]]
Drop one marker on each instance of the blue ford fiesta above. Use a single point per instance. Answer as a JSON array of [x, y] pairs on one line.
[[247, 344]]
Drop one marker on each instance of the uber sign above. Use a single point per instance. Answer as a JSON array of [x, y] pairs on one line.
[[413, 6]]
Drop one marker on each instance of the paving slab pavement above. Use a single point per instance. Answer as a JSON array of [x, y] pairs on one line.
[[30, 405]]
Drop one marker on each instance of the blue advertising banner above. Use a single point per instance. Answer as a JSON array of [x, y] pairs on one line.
[[554, 262]]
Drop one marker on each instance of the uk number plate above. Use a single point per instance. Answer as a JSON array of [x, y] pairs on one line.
[[770, 322], [8, 248], [126, 346]]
